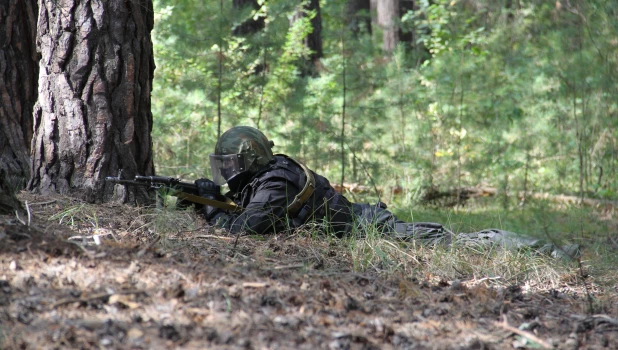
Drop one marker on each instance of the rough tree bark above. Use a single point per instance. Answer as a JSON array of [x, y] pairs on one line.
[[9, 204], [387, 17], [18, 91], [93, 117]]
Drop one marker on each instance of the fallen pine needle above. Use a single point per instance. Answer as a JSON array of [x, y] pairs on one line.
[[294, 266], [44, 203], [93, 297], [524, 334], [488, 279], [150, 245], [213, 236]]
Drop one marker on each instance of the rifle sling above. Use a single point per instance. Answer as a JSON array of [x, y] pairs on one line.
[[302, 197], [229, 206], [293, 208]]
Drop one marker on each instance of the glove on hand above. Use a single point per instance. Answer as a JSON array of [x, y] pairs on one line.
[[207, 188]]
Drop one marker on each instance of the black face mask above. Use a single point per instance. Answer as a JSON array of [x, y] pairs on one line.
[[228, 173], [237, 182]]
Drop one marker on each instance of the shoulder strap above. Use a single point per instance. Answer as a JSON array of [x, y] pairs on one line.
[[302, 197]]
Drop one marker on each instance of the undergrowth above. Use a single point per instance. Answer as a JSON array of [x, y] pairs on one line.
[[375, 252], [381, 254]]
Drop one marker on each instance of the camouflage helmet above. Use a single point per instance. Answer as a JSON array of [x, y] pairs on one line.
[[240, 150]]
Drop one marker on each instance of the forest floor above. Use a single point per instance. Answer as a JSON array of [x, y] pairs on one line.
[[195, 288]]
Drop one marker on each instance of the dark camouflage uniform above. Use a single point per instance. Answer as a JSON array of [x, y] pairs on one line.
[[272, 182], [266, 195]]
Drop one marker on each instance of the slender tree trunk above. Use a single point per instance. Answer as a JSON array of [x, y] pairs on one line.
[[220, 69], [406, 36], [343, 109], [93, 115], [373, 10], [18, 91], [459, 132], [505, 193], [313, 40], [612, 167], [263, 77], [434, 149], [402, 104], [509, 8], [526, 168], [458, 151], [358, 16], [388, 15]]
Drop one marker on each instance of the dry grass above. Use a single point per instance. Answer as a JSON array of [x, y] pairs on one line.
[[374, 253], [160, 278], [498, 267]]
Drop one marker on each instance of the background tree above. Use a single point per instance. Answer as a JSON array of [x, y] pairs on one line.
[[309, 10], [387, 20], [18, 89], [457, 105], [92, 117], [252, 20], [358, 16]]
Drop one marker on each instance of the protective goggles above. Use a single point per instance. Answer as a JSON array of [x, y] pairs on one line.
[[225, 167]]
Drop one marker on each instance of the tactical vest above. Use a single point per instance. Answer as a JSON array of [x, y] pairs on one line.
[[317, 200]]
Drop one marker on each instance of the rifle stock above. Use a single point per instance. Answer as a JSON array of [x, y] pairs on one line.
[[184, 190]]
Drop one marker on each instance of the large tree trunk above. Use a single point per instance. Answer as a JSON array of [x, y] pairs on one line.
[[93, 114], [388, 15], [18, 74], [9, 204]]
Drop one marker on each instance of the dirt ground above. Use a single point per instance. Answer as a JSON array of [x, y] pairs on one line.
[[193, 290]]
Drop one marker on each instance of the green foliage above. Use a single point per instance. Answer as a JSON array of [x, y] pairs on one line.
[[520, 98]]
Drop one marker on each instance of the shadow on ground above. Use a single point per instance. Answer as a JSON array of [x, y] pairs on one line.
[[193, 289]]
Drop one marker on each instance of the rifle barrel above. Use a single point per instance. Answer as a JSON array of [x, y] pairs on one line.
[[165, 180], [185, 190], [117, 180]]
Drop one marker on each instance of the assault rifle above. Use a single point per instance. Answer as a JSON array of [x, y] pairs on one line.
[[184, 190]]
